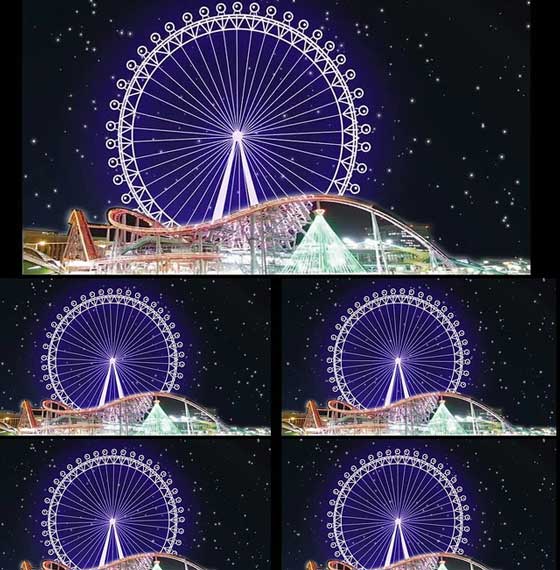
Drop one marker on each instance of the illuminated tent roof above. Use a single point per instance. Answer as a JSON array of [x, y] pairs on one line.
[[322, 251]]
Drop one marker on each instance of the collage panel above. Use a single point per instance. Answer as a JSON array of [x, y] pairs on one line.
[[423, 357], [135, 357], [124, 504], [276, 138], [419, 504]]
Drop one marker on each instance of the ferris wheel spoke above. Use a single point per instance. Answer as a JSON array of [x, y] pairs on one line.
[[139, 377], [430, 515], [225, 101], [230, 81], [257, 98], [253, 112], [92, 320], [206, 158], [368, 385], [367, 553], [278, 115], [220, 118], [207, 154], [311, 110], [423, 478], [242, 101], [270, 154], [204, 114], [92, 491], [207, 171], [129, 501], [266, 159], [424, 332], [262, 175], [144, 512], [256, 113], [211, 189], [438, 344], [287, 124], [377, 325], [374, 339], [426, 379], [84, 544], [82, 385], [275, 141], [415, 329], [201, 118], [199, 130], [363, 508], [428, 541], [84, 339], [138, 334]]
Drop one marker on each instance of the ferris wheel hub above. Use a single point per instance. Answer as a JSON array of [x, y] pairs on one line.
[[237, 136]]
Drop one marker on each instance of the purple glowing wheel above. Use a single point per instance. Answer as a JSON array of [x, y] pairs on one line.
[[396, 345], [109, 345], [232, 108], [110, 505], [394, 506]]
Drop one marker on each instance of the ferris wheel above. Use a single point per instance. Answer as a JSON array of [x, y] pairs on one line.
[[108, 345], [396, 505], [395, 345], [110, 505], [232, 109]]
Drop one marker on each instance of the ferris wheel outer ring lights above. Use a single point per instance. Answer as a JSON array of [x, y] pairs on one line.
[[443, 476], [193, 29], [419, 300], [119, 297], [130, 460]]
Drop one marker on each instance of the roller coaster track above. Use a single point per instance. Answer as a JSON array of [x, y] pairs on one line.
[[418, 562], [122, 405], [132, 562], [337, 409], [117, 218]]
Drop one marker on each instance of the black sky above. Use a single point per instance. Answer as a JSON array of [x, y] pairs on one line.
[[447, 84]]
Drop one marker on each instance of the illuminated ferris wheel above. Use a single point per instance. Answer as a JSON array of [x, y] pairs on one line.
[[395, 345], [109, 345], [232, 109], [396, 505], [110, 505]]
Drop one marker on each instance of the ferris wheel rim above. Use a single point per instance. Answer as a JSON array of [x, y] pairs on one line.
[[109, 297], [428, 465], [134, 90], [410, 297], [140, 465]]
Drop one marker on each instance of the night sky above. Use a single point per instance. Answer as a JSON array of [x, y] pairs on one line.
[[225, 526], [226, 338], [509, 323], [447, 84], [509, 486]]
